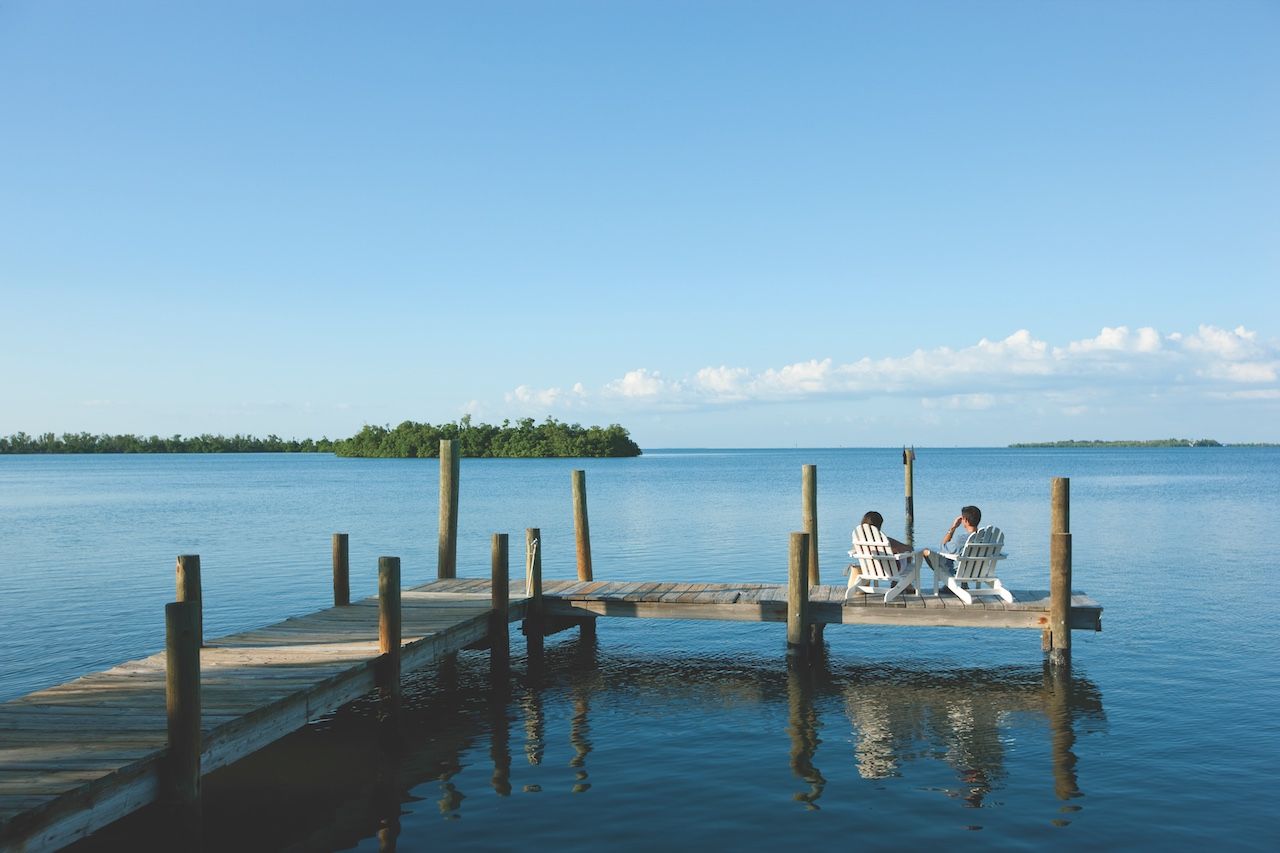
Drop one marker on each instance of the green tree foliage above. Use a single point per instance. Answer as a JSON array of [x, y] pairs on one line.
[[524, 438], [1159, 442], [84, 442], [407, 441]]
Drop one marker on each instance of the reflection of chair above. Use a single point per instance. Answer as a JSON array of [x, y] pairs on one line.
[[973, 569], [877, 564]]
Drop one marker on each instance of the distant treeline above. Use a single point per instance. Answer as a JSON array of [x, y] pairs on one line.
[[84, 442], [524, 438], [1159, 442], [410, 439]]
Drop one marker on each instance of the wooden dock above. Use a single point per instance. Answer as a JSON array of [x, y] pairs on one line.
[[77, 756]]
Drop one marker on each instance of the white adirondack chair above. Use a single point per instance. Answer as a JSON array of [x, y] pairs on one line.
[[876, 564], [973, 569]]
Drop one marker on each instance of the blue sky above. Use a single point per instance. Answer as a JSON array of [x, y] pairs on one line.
[[717, 223]]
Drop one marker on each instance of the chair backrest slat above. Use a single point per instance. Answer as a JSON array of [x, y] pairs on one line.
[[873, 552], [980, 554]]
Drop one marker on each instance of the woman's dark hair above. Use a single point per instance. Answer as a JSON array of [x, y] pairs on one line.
[[873, 518]]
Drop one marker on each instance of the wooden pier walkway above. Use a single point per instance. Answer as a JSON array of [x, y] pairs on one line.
[[78, 756]]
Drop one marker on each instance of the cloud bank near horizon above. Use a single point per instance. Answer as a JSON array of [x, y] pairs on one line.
[[1217, 363]]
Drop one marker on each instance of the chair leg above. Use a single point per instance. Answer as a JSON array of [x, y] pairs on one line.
[[961, 592], [853, 584]]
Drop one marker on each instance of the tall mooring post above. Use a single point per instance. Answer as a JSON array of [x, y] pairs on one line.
[[180, 777], [500, 599], [341, 570], [1058, 635], [809, 521], [389, 634], [909, 471], [187, 581], [534, 621], [582, 540], [447, 560]]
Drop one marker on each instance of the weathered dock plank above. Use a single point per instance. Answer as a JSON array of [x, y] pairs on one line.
[[80, 755]]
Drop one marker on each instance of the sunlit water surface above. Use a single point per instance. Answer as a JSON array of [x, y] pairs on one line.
[[697, 734]]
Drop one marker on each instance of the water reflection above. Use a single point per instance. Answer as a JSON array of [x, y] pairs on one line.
[[342, 782]]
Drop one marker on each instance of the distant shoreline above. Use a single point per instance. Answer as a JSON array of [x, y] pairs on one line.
[[410, 440], [1159, 442]]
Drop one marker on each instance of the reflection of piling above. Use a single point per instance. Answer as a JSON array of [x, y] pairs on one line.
[[187, 577], [1059, 645], [582, 539], [798, 595], [1059, 689], [803, 729], [447, 558], [341, 570], [181, 773], [500, 595], [500, 738], [534, 725]]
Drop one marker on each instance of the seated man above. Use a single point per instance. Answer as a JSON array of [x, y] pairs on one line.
[[969, 518]]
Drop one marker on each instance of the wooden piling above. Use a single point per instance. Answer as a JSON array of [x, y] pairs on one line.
[[809, 490], [389, 628], [909, 466], [798, 595], [341, 570], [1060, 503], [1059, 633], [809, 521], [188, 588], [181, 773], [447, 561], [534, 622], [1060, 598], [500, 591], [582, 536], [581, 529]]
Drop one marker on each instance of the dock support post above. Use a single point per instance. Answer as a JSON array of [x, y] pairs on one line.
[[389, 633], [809, 521], [188, 588], [341, 570], [447, 561], [500, 598], [182, 705], [909, 464], [582, 536], [1059, 633], [533, 622], [798, 595]]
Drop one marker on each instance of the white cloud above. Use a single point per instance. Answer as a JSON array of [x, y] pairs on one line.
[[1233, 345], [984, 375], [1119, 339], [641, 384]]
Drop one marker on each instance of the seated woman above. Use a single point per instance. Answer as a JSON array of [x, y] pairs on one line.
[[876, 520]]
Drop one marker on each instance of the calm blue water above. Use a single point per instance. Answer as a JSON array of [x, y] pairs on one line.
[[697, 733]]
